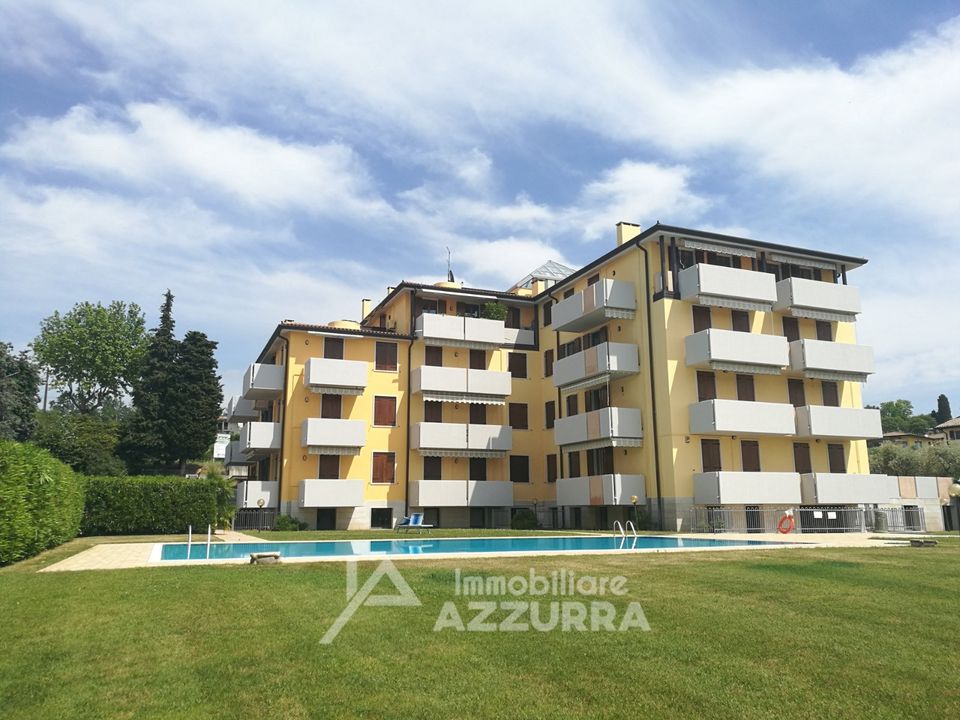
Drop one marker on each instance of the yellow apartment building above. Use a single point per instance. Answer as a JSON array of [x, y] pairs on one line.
[[682, 376]]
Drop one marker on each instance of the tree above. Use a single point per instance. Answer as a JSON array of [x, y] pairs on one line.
[[85, 442], [942, 413], [93, 352], [19, 394], [940, 460], [199, 397], [897, 416], [891, 459]]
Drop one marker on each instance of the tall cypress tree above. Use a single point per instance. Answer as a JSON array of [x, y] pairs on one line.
[[943, 410], [199, 397]]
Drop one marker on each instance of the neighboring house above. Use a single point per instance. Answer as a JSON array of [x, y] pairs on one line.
[[951, 429], [682, 369], [912, 440]]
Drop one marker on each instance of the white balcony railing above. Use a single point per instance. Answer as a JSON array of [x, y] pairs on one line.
[[250, 492], [737, 351], [241, 410], [461, 493], [848, 489], [831, 360], [826, 421], [602, 490], [336, 377], [740, 417], [518, 336], [746, 488], [331, 436], [259, 439], [331, 493], [461, 440], [596, 365], [607, 427], [728, 287], [817, 300], [602, 301], [479, 333], [262, 381], [447, 384]]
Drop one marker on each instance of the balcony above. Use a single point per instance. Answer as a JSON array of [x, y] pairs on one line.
[[461, 493], [250, 492], [330, 436], [456, 331], [331, 493], [233, 456], [602, 301], [825, 360], [817, 300], [262, 381], [259, 439], [518, 336], [728, 287], [240, 410], [596, 365], [740, 417], [844, 489], [446, 384], [461, 440], [838, 422], [336, 377], [746, 488], [607, 427], [737, 351], [601, 490]]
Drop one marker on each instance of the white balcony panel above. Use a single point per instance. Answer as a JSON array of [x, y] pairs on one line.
[[461, 493], [728, 287], [446, 384], [601, 490], [336, 377], [518, 336], [453, 330], [838, 422], [596, 365], [607, 427], [737, 351], [241, 410], [746, 488], [434, 380], [604, 300], [825, 360], [848, 489], [331, 493], [331, 436], [490, 438], [233, 455], [817, 300], [262, 381], [259, 439], [439, 438], [489, 383], [250, 492], [740, 417], [481, 332]]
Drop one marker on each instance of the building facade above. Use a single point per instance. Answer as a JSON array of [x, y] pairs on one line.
[[682, 370]]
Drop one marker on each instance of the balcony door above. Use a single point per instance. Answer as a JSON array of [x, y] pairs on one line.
[[801, 458], [333, 348], [330, 406], [478, 359], [710, 455], [835, 454], [798, 398]]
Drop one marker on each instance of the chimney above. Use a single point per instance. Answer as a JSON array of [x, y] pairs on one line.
[[626, 232], [364, 308]]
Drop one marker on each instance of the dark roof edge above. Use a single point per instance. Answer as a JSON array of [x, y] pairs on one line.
[[311, 327], [407, 285]]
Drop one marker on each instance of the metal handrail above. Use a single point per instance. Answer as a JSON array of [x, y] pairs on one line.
[[631, 527], [618, 524]]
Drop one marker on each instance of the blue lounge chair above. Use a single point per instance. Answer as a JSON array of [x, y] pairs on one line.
[[413, 521]]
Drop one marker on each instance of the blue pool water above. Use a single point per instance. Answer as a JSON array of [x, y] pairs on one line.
[[426, 546]]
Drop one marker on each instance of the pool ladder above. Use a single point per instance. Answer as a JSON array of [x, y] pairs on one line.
[[623, 530]]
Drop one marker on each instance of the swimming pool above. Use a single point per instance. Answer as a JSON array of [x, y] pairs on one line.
[[407, 547]]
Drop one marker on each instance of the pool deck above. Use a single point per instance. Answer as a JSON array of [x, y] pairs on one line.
[[116, 556]]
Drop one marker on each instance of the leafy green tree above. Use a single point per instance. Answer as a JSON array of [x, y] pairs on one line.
[[891, 459], [93, 352], [897, 416], [940, 460], [942, 413], [199, 398], [19, 386], [85, 442]]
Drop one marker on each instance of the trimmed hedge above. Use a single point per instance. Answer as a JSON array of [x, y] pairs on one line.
[[147, 505], [41, 501]]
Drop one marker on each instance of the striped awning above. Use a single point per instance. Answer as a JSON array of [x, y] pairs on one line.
[[332, 450], [805, 261], [717, 247], [822, 314], [469, 344], [618, 314], [595, 381], [745, 368], [335, 390], [837, 375], [604, 442], [454, 397], [464, 453], [734, 303]]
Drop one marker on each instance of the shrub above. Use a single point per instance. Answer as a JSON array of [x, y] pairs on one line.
[[524, 519], [287, 523], [142, 505], [891, 459], [494, 311], [41, 501], [940, 460], [84, 442]]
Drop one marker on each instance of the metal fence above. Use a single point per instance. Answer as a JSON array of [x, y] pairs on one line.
[[254, 519], [811, 519]]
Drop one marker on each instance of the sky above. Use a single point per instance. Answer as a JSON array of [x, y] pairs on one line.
[[281, 160]]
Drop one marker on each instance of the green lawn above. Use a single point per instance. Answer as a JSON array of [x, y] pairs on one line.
[[747, 634]]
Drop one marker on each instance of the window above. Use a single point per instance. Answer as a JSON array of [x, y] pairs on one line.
[[330, 406], [701, 318], [385, 411], [548, 363], [824, 330], [478, 469], [745, 390], [433, 356], [478, 360], [517, 364], [572, 405], [432, 307], [551, 468], [381, 518], [468, 310], [791, 329], [329, 467], [573, 464], [519, 468], [595, 338], [549, 413], [333, 348], [600, 461], [721, 259], [568, 293], [795, 391], [478, 414], [386, 356], [383, 467], [706, 386], [801, 458], [838, 463], [831, 395], [686, 258], [548, 313], [710, 455], [432, 468], [593, 279], [750, 455], [595, 399], [741, 320], [513, 318], [432, 411], [518, 416]]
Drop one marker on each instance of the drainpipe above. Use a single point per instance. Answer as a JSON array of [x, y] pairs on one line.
[[653, 387], [283, 421], [406, 469], [558, 412]]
